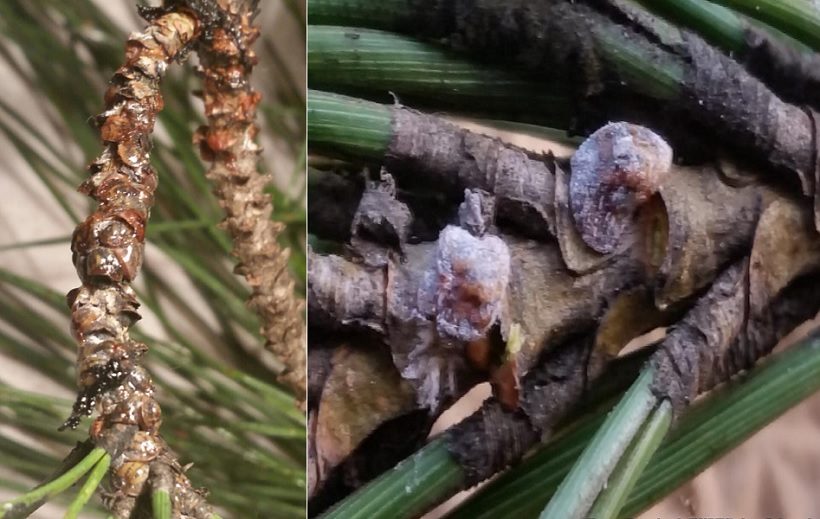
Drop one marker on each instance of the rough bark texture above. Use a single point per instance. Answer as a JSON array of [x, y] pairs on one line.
[[343, 293], [793, 74], [107, 252], [495, 437], [228, 141], [320, 357], [539, 197], [747, 310], [553, 290], [692, 346], [723, 96], [571, 43], [549, 303], [335, 197], [720, 338], [439, 153], [381, 224], [566, 381], [490, 440]]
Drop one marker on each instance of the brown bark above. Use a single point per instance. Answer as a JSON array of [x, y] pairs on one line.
[[673, 243], [228, 142], [107, 252], [435, 152], [749, 307], [571, 43], [684, 227], [747, 310]]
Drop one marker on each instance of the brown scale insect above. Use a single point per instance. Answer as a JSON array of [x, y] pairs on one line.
[[107, 248], [472, 277], [132, 470], [615, 171]]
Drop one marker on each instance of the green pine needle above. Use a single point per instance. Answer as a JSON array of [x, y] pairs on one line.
[[610, 501], [24, 505], [427, 76], [429, 476], [796, 18], [89, 487], [588, 477], [161, 504]]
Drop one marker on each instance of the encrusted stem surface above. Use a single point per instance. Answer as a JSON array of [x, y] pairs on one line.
[[228, 142], [107, 252]]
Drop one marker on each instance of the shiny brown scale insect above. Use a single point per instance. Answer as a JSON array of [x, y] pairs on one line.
[[109, 246], [130, 477]]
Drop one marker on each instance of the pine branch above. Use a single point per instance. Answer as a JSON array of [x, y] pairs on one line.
[[223, 378], [711, 428], [107, 251], [420, 148], [602, 59], [228, 142]]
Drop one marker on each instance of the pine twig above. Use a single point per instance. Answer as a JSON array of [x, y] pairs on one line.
[[107, 252], [603, 59], [420, 147], [739, 320], [228, 142]]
